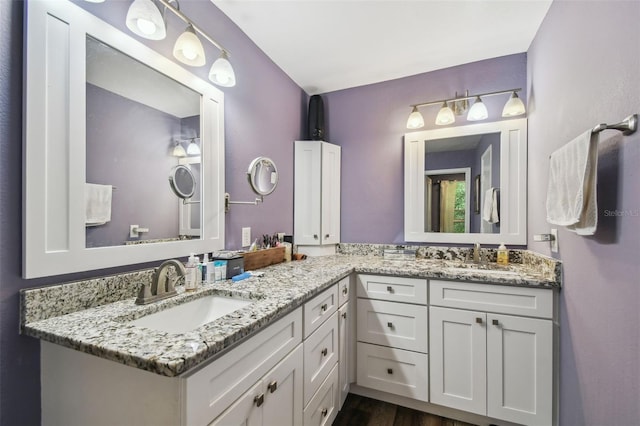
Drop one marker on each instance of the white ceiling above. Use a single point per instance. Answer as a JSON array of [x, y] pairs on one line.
[[327, 45]]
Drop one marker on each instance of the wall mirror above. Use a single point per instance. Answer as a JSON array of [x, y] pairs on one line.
[[467, 184], [113, 110], [263, 176]]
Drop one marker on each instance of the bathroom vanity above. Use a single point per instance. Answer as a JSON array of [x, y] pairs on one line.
[[292, 352]]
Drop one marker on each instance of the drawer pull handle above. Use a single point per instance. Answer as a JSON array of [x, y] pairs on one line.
[[315, 236], [479, 320], [390, 289], [389, 370], [345, 291], [324, 307], [259, 400], [495, 322], [273, 386], [324, 352], [390, 325], [326, 236], [344, 315], [324, 412]]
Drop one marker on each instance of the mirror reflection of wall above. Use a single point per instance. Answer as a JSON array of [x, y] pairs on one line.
[[445, 210], [134, 116]]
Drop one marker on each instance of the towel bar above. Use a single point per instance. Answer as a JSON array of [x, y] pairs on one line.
[[627, 126]]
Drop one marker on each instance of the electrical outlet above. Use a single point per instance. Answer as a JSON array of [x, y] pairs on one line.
[[246, 237], [554, 240]]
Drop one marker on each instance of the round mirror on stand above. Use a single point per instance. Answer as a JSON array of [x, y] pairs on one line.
[[182, 182], [263, 176]]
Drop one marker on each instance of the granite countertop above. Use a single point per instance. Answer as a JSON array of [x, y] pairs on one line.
[[103, 330]]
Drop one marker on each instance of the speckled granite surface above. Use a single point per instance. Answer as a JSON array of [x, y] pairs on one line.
[[103, 330]]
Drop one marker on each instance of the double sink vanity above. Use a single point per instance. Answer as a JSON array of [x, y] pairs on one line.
[[474, 342]]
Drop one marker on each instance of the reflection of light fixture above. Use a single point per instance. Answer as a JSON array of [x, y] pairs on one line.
[[415, 121], [445, 115], [178, 150], [188, 48], [221, 71], [144, 19], [478, 111], [193, 148], [514, 106]]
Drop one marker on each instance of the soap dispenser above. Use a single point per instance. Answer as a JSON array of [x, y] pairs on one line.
[[191, 276], [503, 255]]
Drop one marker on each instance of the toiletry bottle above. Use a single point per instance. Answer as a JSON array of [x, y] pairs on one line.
[[198, 272], [191, 269], [503, 255], [205, 267], [211, 271]]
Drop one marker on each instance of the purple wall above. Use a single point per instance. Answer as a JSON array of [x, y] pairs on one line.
[[263, 116], [369, 122], [584, 68], [134, 156]]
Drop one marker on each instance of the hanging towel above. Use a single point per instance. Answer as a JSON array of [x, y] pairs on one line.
[[571, 194], [490, 211], [97, 204]]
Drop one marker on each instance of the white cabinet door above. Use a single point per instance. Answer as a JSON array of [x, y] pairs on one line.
[[308, 186], [246, 411], [520, 369], [343, 351], [330, 218], [283, 392], [457, 357]]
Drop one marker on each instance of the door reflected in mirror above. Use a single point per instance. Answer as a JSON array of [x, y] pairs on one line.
[[450, 164], [135, 117]]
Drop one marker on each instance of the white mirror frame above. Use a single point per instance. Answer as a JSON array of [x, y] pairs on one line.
[[513, 183], [54, 150]]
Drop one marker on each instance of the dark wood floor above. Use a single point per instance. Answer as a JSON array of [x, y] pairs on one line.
[[360, 411]]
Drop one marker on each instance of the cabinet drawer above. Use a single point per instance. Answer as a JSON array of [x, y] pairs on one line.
[[320, 355], [343, 290], [323, 407], [210, 390], [392, 370], [533, 302], [318, 309], [394, 289], [399, 325]]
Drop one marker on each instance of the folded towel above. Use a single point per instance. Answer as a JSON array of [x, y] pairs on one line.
[[97, 204], [571, 194], [490, 211]]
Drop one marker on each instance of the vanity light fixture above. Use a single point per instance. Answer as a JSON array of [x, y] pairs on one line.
[[478, 111], [144, 19], [188, 48], [193, 148], [178, 150]]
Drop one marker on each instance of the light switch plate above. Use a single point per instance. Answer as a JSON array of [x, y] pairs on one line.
[[246, 236], [554, 240]]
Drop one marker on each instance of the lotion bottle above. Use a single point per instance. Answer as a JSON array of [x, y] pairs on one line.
[[503, 255], [191, 275]]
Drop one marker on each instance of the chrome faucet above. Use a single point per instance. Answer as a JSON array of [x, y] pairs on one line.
[[161, 287]]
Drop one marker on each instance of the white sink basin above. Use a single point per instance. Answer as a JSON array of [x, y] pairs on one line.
[[191, 315]]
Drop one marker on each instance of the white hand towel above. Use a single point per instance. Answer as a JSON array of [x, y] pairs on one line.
[[490, 211], [97, 204], [571, 194]]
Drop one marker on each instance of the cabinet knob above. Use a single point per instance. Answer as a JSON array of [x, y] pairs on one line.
[[495, 322], [273, 386], [324, 307], [390, 289], [259, 400], [315, 236], [344, 315], [389, 370], [326, 236], [324, 412], [390, 324], [324, 352], [345, 290], [479, 320]]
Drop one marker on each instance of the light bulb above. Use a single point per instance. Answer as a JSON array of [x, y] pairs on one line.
[[145, 20], [188, 48], [221, 72], [146, 26]]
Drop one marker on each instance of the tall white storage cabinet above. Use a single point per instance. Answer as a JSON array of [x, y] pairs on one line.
[[317, 197]]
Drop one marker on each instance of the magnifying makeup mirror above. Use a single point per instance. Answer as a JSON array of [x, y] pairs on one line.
[[263, 176], [182, 182]]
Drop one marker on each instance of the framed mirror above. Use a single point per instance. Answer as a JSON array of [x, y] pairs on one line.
[[467, 184], [263, 176], [71, 59]]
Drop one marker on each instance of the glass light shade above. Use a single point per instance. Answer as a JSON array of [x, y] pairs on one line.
[[478, 111], [513, 107], [445, 115], [221, 72], [415, 121], [178, 151], [188, 48], [193, 148], [145, 20]]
